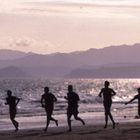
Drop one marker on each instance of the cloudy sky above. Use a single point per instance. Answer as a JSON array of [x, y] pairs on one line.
[[47, 26]]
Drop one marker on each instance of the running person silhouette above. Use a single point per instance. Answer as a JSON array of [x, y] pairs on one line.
[[47, 101], [72, 109], [12, 101], [107, 102], [134, 98]]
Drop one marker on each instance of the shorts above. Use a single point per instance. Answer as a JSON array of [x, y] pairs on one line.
[[107, 106], [72, 111]]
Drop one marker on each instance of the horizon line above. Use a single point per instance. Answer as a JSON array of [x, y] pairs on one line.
[[76, 51]]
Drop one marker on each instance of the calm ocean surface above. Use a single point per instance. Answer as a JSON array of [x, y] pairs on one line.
[[30, 91]]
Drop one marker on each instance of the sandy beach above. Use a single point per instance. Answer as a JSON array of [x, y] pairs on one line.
[[129, 131], [32, 128], [32, 119]]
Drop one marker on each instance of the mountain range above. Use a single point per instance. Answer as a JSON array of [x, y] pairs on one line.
[[110, 62]]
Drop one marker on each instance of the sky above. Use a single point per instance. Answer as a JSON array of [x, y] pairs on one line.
[[49, 26]]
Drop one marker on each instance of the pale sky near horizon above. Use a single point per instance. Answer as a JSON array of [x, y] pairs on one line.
[[48, 26]]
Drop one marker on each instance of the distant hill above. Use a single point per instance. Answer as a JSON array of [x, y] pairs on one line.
[[12, 54], [13, 72], [76, 64], [106, 72], [94, 57], [47, 72]]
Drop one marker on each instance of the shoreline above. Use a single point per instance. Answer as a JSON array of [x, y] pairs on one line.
[[39, 122]]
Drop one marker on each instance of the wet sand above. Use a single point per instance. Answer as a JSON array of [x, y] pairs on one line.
[[126, 130]]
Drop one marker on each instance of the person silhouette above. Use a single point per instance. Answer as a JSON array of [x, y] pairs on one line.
[[134, 98], [12, 101], [47, 102], [72, 109], [107, 102]]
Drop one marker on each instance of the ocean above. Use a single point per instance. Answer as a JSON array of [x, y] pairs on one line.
[[90, 105], [30, 91]]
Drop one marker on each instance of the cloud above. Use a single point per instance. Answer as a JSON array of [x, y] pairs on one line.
[[24, 42], [27, 44]]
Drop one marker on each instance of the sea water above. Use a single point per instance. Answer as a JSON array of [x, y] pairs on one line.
[[30, 91]]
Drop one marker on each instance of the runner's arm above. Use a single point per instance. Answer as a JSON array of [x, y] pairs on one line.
[[55, 99], [42, 100], [100, 94], [6, 103], [114, 93], [131, 100], [17, 100]]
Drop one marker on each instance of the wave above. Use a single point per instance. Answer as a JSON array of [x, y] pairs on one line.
[[30, 92]]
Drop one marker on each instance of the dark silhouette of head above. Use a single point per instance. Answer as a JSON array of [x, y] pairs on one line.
[[70, 88], [46, 89], [138, 90], [9, 93], [106, 84]]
